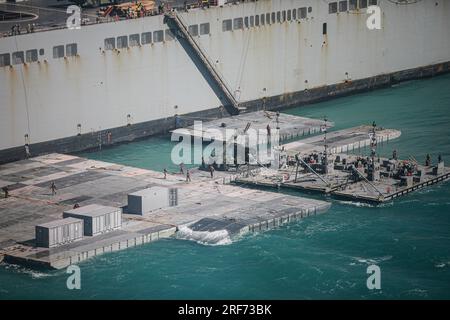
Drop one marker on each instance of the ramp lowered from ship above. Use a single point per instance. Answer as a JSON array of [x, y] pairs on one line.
[[176, 24]]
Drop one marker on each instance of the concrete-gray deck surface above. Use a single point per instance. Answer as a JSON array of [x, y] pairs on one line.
[[341, 140], [85, 181], [290, 126]]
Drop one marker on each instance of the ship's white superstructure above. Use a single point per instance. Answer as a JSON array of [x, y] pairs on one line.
[[73, 83]]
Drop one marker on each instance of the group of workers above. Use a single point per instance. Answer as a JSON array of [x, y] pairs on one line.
[[407, 169], [313, 158], [16, 29], [53, 188], [428, 160], [187, 172], [138, 12], [139, 9]]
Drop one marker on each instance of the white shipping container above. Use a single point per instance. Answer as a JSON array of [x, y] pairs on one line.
[[97, 219], [59, 232], [151, 199]]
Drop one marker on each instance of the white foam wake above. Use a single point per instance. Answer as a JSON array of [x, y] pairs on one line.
[[33, 273], [357, 204], [214, 238]]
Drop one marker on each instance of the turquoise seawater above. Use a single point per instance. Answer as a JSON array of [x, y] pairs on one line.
[[324, 257]]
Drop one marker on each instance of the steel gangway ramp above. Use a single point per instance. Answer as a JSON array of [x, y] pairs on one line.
[[233, 106]]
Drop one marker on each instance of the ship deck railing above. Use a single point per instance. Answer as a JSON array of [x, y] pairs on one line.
[[96, 19]]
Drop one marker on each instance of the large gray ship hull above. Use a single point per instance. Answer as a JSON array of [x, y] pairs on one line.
[[100, 97]]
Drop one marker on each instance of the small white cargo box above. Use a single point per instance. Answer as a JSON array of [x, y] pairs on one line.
[[152, 199], [59, 232], [97, 219]]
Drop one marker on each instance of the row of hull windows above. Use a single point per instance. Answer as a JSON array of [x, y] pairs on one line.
[[344, 6], [268, 18], [20, 57], [136, 40], [29, 56], [71, 50]]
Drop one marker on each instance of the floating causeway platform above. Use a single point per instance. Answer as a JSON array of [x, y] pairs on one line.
[[340, 179], [339, 183], [341, 141], [205, 205], [388, 188], [291, 126], [285, 179]]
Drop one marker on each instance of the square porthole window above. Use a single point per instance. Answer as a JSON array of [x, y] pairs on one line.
[[332, 7], [342, 6], [110, 43], [303, 13], [135, 40], [158, 36], [238, 23], [71, 50], [146, 38], [122, 42], [31, 56], [58, 52], [5, 60], [193, 30], [17, 57], [227, 25], [205, 29]]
